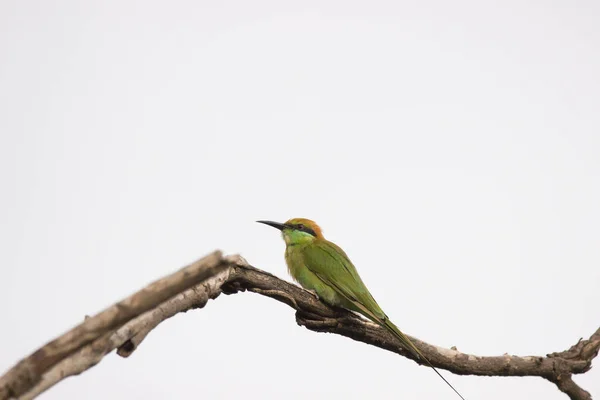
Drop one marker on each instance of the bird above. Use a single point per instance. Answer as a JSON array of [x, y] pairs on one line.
[[323, 268]]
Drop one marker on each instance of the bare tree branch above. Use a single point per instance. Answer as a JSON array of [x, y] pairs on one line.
[[29, 371], [125, 325]]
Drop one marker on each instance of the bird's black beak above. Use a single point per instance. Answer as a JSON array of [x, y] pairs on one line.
[[276, 225]]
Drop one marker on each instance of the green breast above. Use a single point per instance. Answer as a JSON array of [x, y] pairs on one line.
[[308, 280]]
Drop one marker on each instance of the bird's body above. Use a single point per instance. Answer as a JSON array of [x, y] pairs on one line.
[[324, 268], [312, 266]]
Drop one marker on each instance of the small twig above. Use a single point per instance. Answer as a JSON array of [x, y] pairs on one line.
[[566, 385]]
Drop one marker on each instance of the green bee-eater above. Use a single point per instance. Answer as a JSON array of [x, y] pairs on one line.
[[324, 268]]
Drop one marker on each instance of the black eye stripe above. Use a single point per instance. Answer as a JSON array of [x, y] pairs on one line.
[[306, 229]]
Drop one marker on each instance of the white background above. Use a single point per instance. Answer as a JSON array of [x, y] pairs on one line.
[[451, 148]]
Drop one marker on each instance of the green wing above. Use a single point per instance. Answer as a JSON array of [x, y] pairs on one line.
[[331, 265]]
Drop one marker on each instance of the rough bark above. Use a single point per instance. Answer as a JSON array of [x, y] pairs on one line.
[[124, 326]]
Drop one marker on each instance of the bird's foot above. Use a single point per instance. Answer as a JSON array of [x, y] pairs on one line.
[[314, 293]]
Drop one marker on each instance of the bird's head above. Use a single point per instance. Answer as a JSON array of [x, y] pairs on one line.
[[297, 230]]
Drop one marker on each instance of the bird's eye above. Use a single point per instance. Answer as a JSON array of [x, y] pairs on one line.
[[300, 227]]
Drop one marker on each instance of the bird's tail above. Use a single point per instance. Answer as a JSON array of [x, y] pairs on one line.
[[408, 345]]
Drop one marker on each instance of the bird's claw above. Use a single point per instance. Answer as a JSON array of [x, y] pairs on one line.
[[314, 293]]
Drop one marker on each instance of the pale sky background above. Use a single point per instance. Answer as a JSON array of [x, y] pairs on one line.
[[451, 148]]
